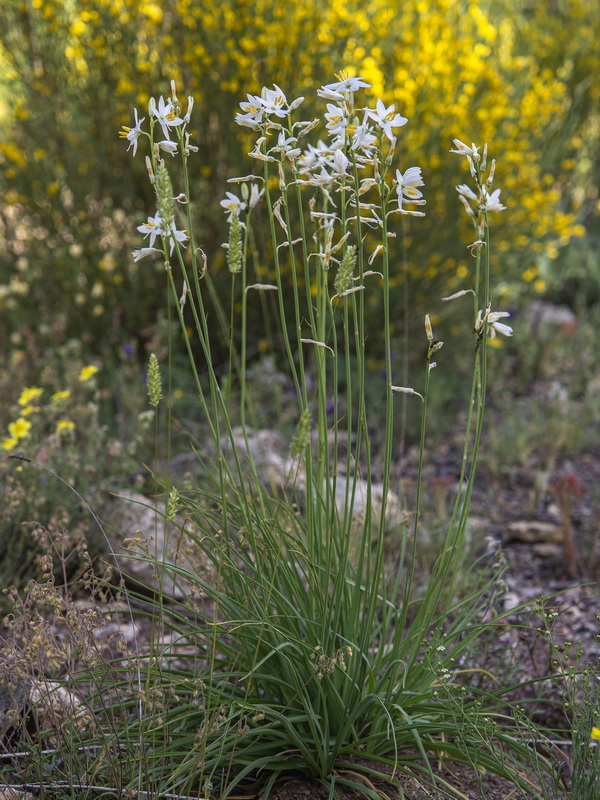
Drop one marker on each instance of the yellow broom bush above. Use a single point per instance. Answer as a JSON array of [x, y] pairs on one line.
[[484, 70]]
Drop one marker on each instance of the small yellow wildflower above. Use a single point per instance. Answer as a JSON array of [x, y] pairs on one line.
[[64, 425], [595, 734], [9, 443], [25, 412], [87, 372], [19, 429], [29, 394], [58, 397]]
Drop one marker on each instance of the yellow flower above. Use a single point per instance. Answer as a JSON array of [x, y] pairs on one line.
[[64, 425], [25, 412], [57, 397], [19, 429], [9, 443], [87, 372], [595, 734], [29, 394]]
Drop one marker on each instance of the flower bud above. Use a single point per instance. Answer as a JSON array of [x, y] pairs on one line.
[[428, 329]]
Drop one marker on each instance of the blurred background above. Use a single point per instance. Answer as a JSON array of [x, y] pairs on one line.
[[521, 75]]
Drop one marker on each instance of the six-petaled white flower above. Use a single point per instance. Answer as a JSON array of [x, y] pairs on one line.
[[133, 134], [493, 325], [407, 185], [156, 226], [492, 201], [363, 139], [233, 205], [386, 118], [338, 90], [336, 119], [165, 114], [274, 102], [152, 228], [254, 112]]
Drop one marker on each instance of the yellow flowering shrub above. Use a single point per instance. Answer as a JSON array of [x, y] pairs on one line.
[[518, 77]]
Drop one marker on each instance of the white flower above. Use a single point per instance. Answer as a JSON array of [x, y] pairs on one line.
[[152, 228], [337, 91], [233, 205], [250, 119], [176, 236], [386, 118], [253, 113], [464, 150], [407, 185], [336, 119], [165, 114], [133, 134], [339, 162], [155, 226], [284, 146], [255, 195], [143, 252], [314, 156], [363, 139], [168, 146], [466, 191], [322, 179], [492, 201], [494, 327], [274, 101]]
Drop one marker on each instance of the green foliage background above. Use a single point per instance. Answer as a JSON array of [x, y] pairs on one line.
[[521, 75]]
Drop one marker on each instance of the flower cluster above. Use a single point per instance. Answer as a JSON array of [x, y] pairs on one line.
[[30, 406], [167, 114], [358, 138], [483, 200]]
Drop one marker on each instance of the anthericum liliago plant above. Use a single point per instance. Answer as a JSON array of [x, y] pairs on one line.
[[313, 651]]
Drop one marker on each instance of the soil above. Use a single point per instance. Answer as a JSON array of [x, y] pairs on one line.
[[472, 786]]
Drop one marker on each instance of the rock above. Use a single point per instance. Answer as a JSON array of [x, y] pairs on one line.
[[533, 531], [510, 600], [54, 707], [138, 530], [547, 550], [546, 319], [13, 698], [277, 470]]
